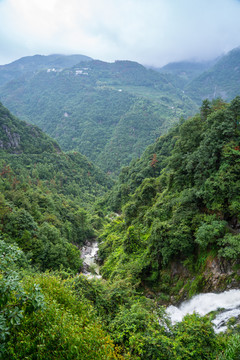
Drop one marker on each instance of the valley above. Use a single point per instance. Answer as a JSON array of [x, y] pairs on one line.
[[138, 166]]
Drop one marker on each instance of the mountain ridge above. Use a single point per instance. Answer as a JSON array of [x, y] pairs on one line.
[[31, 64], [108, 111], [18, 137], [221, 80]]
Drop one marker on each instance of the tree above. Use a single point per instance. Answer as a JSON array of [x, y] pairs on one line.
[[205, 109]]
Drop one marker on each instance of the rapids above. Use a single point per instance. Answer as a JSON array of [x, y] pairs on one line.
[[227, 302], [89, 254]]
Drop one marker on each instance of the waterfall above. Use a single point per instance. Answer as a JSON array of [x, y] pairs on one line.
[[227, 302], [89, 254]]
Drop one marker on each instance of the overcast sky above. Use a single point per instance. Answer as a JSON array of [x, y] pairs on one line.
[[152, 32]]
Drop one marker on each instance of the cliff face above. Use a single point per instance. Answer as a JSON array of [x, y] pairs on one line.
[[216, 275], [18, 137], [220, 274], [13, 139]]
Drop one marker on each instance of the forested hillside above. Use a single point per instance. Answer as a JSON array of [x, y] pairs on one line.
[[108, 111], [210, 79], [176, 203], [171, 228], [183, 72], [32, 64], [221, 80], [179, 202], [44, 195], [17, 137]]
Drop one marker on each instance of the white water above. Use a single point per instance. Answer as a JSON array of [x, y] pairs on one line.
[[205, 303], [88, 254]]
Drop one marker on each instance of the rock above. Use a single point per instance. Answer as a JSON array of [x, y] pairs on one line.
[[177, 268], [13, 138]]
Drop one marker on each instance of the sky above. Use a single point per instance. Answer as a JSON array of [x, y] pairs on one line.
[[152, 32]]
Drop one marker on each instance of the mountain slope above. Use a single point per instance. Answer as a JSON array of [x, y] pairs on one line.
[[108, 111], [19, 137], [31, 64], [222, 80], [59, 315], [183, 72], [179, 208], [44, 194]]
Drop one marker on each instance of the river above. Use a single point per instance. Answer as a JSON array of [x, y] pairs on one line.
[[89, 254], [203, 304], [226, 303]]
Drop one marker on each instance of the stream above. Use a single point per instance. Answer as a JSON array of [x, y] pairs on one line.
[[89, 256], [227, 302]]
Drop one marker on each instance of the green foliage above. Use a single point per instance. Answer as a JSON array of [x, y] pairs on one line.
[[46, 196], [31, 64], [232, 351], [140, 327], [132, 176], [179, 201], [211, 230], [186, 204], [137, 328], [41, 317], [130, 242], [16, 136], [195, 339], [15, 300], [109, 112], [230, 246], [222, 79], [64, 328]]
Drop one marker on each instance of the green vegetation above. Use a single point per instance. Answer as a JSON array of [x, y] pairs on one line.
[[183, 72], [18, 137], [201, 80], [109, 112], [48, 316], [221, 80], [42, 318], [176, 206], [179, 200], [30, 64], [46, 195]]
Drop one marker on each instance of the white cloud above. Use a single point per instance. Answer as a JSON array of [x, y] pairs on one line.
[[149, 31]]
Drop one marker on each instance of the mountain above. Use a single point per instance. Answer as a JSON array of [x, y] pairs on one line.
[[18, 137], [221, 80], [190, 69], [25, 145], [47, 196], [31, 64], [178, 208], [183, 72], [178, 231], [108, 111], [44, 194]]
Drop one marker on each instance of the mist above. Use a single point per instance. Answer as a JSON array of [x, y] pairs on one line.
[[151, 32]]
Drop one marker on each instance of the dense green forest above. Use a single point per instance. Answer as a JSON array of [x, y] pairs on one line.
[[176, 206], [109, 112], [179, 200], [46, 195], [183, 73], [32, 64], [220, 80], [209, 79]]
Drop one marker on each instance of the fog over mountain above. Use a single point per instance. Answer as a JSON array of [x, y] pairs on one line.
[[152, 33]]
